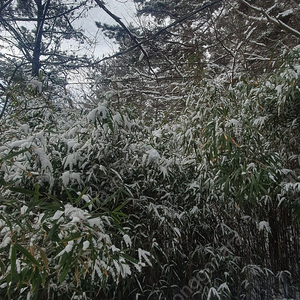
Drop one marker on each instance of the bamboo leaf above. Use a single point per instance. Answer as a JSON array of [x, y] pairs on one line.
[[28, 255]]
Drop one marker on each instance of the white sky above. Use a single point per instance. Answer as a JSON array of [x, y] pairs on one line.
[[124, 9]]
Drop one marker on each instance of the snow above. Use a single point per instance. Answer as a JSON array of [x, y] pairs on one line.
[[85, 246], [153, 154], [57, 215], [145, 255], [36, 84], [114, 248], [157, 133], [69, 247], [25, 128], [45, 162], [23, 209], [5, 242], [285, 13], [263, 225], [69, 176], [127, 240], [260, 121], [101, 111]]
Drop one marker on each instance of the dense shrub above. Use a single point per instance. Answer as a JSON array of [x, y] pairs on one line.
[[96, 204]]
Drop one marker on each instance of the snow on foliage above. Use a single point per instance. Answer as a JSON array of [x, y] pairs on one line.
[[107, 201]]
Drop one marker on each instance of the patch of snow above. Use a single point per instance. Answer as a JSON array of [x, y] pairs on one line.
[[263, 225], [36, 84], [24, 209], [153, 154], [101, 110], [286, 13], [127, 240], [86, 244], [68, 176]]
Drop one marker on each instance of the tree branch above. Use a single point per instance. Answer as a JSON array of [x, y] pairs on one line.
[[133, 38], [5, 90], [273, 20], [152, 37]]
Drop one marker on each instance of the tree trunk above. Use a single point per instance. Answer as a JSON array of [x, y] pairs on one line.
[[42, 12]]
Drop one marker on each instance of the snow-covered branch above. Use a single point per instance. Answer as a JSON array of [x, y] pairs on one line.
[[273, 20]]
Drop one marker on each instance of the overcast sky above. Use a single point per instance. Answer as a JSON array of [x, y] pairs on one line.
[[125, 9]]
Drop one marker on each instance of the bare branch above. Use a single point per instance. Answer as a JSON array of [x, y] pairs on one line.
[[159, 32], [118, 20], [273, 20], [8, 93]]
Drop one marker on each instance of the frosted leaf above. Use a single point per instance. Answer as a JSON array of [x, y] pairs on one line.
[[279, 89], [75, 219], [251, 166], [292, 186], [87, 199], [23, 209], [297, 68], [72, 144], [259, 121], [95, 222], [5, 242], [116, 264], [127, 240], [144, 254], [86, 244], [98, 270], [163, 171], [213, 294], [68, 176], [40, 136], [195, 210], [45, 162], [177, 231], [69, 247], [60, 253], [224, 286], [100, 110], [18, 265], [285, 13], [38, 85], [153, 154], [25, 128], [233, 122], [57, 215], [70, 161], [125, 270], [19, 143], [157, 133], [263, 225], [3, 285], [114, 248], [141, 56]]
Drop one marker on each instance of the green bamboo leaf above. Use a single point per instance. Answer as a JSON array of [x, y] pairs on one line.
[[13, 154], [120, 206], [22, 191], [80, 196], [73, 237], [28, 255], [130, 258], [69, 195], [57, 201], [64, 272], [89, 203], [13, 272], [52, 234], [44, 257]]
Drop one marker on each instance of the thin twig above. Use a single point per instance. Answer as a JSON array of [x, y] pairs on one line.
[[159, 32]]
